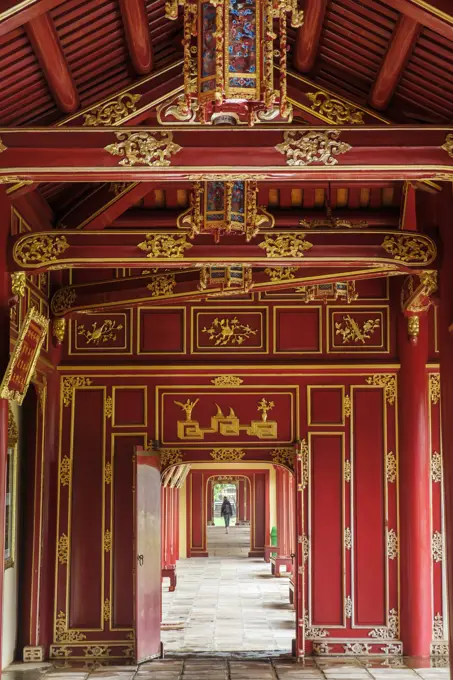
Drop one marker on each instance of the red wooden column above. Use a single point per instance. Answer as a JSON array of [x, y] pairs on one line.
[[445, 219], [280, 488], [246, 501], [414, 467], [209, 512]]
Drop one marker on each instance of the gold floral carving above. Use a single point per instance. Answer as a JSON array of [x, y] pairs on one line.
[[438, 627], [448, 145], [39, 249], [434, 387], [312, 632], [333, 223], [227, 455], [437, 545], [388, 382], [304, 148], [347, 406], [281, 273], [351, 331], [335, 110], [392, 544], [283, 456], [391, 467], [227, 381], [117, 188], [164, 246], [305, 547], [18, 283], [347, 470], [63, 300], [410, 248], [285, 245], [59, 329], [3, 146], [390, 633], [97, 651], [413, 326], [348, 538], [108, 473], [436, 467], [12, 427], [108, 407], [63, 549], [357, 648], [62, 634], [162, 285], [106, 331], [65, 471], [154, 149], [226, 331], [70, 383], [321, 648], [170, 457], [106, 610], [303, 457], [113, 111], [348, 607], [107, 540]]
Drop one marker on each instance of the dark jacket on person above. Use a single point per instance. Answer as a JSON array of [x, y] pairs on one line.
[[226, 508]]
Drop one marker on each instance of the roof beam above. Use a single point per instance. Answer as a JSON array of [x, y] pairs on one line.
[[436, 14], [14, 14], [46, 45], [308, 35], [136, 28], [165, 248], [394, 63], [264, 152]]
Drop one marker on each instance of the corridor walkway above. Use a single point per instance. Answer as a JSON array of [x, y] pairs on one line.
[[227, 602]]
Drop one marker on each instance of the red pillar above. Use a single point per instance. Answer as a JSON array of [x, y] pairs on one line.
[[445, 219], [414, 467], [209, 504], [280, 510]]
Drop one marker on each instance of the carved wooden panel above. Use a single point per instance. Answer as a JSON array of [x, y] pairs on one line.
[[297, 330], [325, 405], [98, 334], [358, 330], [229, 330], [130, 406], [161, 330]]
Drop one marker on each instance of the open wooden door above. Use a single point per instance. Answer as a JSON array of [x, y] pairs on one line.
[[148, 591]]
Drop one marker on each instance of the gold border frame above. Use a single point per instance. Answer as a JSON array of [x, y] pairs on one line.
[[145, 402], [276, 309], [310, 423], [91, 351], [196, 310], [383, 310], [157, 308]]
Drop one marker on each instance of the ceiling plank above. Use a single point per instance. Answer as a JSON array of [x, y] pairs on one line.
[[436, 14], [138, 38], [392, 68], [308, 35], [14, 14], [46, 45]]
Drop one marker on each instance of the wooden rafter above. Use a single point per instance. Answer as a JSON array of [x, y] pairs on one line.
[[437, 15], [136, 28], [46, 45], [307, 36], [14, 13]]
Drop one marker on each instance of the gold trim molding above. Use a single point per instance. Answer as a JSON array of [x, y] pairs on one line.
[[113, 111]]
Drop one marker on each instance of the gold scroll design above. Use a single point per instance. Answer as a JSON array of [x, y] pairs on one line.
[[227, 381], [277, 274], [335, 110], [63, 300], [312, 147], [70, 383], [104, 333], [227, 426], [170, 457], [228, 332], [448, 145], [162, 285], [153, 149], [352, 331], [39, 249], [227, 455], [410, 248], [164, 246], [285, 245], [18, 283], [62, 634], [113, 111], [387, 382], [284, 456]]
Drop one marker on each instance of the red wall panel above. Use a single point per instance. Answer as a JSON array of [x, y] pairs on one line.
[[369, 507], [86, 554], [327, 555]]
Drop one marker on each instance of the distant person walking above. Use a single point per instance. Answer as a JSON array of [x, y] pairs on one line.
[[226, 512]]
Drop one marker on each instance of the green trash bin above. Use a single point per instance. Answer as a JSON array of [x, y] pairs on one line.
[[274, 537]]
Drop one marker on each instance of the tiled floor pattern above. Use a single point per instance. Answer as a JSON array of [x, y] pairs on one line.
[[227, 602], [236, 669]]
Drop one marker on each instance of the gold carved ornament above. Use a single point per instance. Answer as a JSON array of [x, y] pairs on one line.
[[312, 632], [305, 148], [434, 388], [388, 382], [59, 329], [436, 467], [335, 110], [303, 457], [347, 406], [39, 249], [106, 610], [108, 473], [223, 332], [63, 549], [162, 285], [413, 326], [170, 457], [97, 651], [144, 148], [285, 245], [113, 111], [63, 300], [351, 331], [410, 248], [71, 383], [118, 188], [283, 456], [333, 223], [227, 455], [18, 283], [348, 607], [391, 467], [392, 544], [348, 538], [3, 146], [437, 547], [347, 471], [227, 381], [65, 471], [108, 407], [164, 246], [107, 540], [448, 145], [438, 627], [224, 177], [276, 274], [390, 633], [106, 332], [62, 634], [13, 434], [14, 179]]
